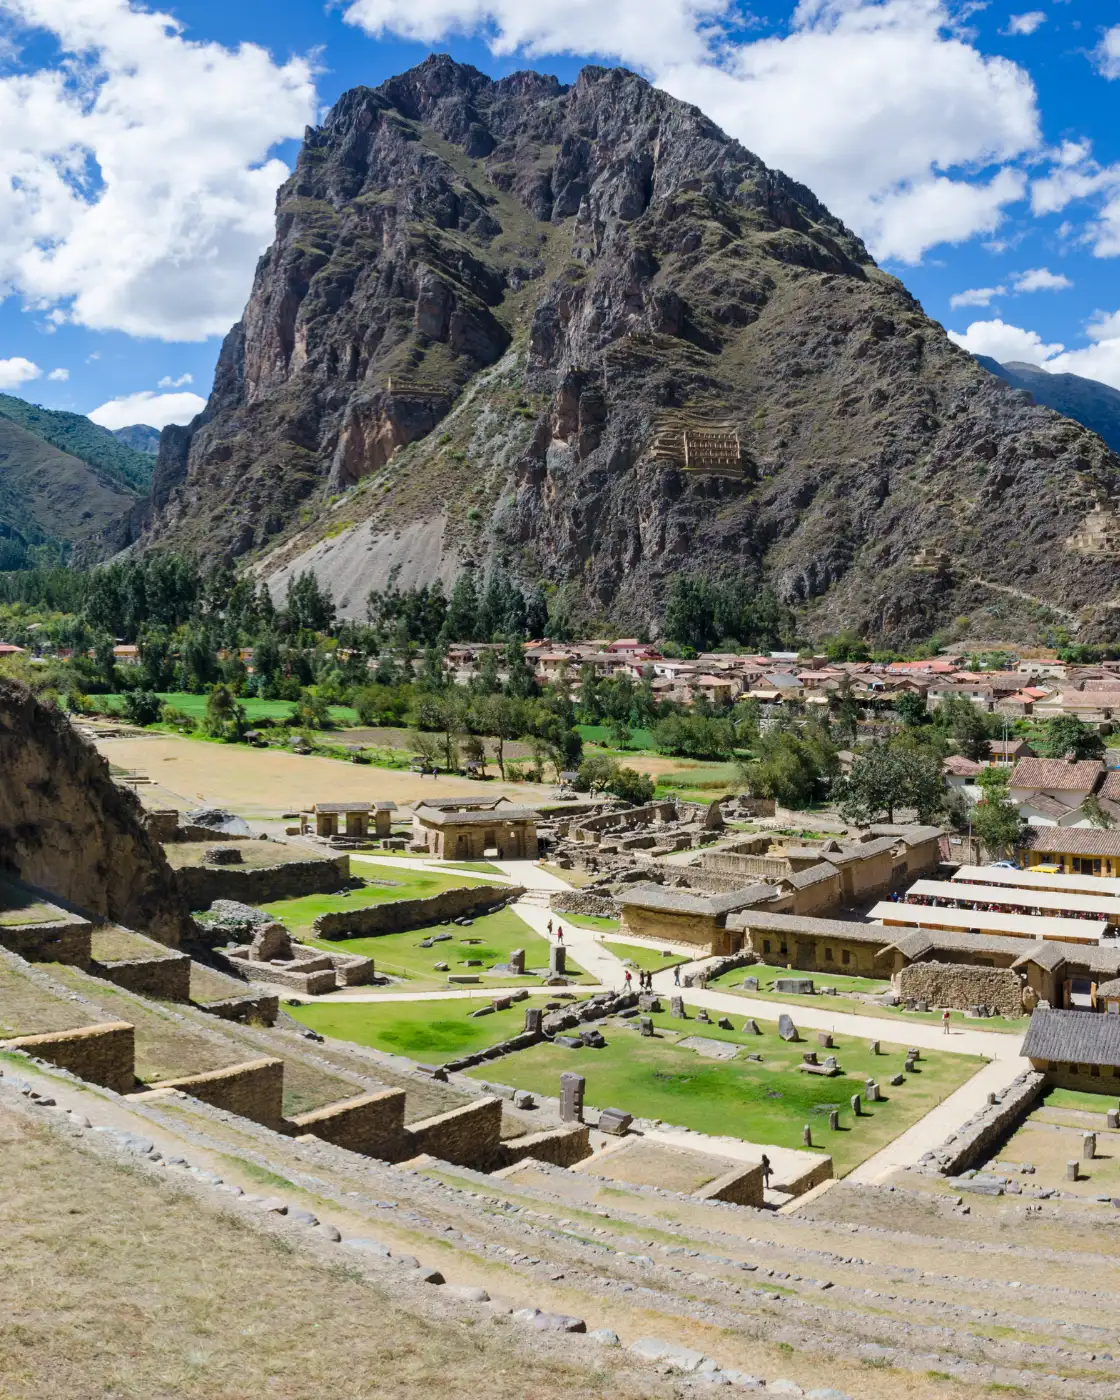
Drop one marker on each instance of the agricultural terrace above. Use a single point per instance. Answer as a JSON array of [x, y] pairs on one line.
[[764, 1101]]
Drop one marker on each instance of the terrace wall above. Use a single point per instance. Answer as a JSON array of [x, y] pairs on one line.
[[167, 979], [396, 916], [60, 941], [372, 1123], [201, 885], [741, 1186], [561, 1146], [254, 1089], [103, 1054], [469, 1136]]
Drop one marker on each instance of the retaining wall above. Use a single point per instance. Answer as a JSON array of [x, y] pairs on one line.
[[973, 1141], [254, 1089], [201, 885], [398, 915], [741, 1186], [167, 979], [104, 1054], [262, 1007], [60, 941], [598, 906], [372, 1123], [469, 1136], [960, 986], [561, 1146]]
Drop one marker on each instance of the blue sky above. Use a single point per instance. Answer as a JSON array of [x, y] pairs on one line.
[[975, 146]]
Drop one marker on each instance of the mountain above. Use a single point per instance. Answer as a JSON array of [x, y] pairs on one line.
[[65, 483], [580, 330], [1090, 402], [139, 437]]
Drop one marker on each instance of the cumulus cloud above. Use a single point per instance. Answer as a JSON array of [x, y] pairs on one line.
[[1040, 279], [1026, 24], [59, 376], [1108, 53], [157, 410], [885, 111], [17, 371], [1003, 342], [136, 189], [168, 383], [976, 296]]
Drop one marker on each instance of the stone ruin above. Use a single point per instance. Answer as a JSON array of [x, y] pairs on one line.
[[271, 955]]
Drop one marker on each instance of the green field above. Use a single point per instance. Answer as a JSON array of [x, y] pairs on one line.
[[767, 1102], [195, 706], [733, 982], [600, 735], [399, 954], [647, 959], [475, 867], [388, 885], [587, 921], [423, 1030], [1080, 1099]]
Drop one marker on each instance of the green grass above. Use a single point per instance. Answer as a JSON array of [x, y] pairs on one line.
[[387, 886], [733, 982], [600, 734], [588, 921], [399, 954], [647, 959], [1080, 1099], [767, 1102], [427, 1030], [195, 706], [478, 867]]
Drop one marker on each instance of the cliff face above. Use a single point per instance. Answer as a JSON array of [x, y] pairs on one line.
[[68, 828], [583, 331]]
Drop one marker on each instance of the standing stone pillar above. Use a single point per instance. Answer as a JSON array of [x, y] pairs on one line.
[[571, 1097], [1088, 1146], [834, 1120], [533, 1018], [1071, 1171], [807, 1136], [557, 964], [855, 1105], [517, 961], [676, 1008]]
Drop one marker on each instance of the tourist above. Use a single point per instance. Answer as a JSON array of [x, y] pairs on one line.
[[627, 979], [945, 1021], [766, 1169], [559, 933], [676, 974], [550, 928]]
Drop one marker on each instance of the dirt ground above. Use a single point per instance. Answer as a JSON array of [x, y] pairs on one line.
[[265, 783]]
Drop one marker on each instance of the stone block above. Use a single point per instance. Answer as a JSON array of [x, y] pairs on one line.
[[1072, 1171], [645, 1025], [614, 1121], [794, 986], [750, 984], [824, 1039], [572, 1088], [533, 1018], [676, 1008], [724, 1023], [855, 1102], [750, 1026], [1088, 1146], [786, 1029]]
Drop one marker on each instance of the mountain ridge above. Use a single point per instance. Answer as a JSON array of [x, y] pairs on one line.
[[495, 309], [1090, 402]]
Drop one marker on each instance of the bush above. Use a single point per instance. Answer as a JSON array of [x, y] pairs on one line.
[[178, 718], [142, 707], [632, 786]]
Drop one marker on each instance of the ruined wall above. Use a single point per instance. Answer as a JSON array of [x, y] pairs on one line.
[[372, 1124], [61, 941], [259, 1007], [563, 1147], [203, 884], [104, 1054], [741, 1186], [68, 828], [168, 979], [254, 1089], [976, 1139], [598, 906], [467, 1137], [398, 915], [699, 930], [959, 986]]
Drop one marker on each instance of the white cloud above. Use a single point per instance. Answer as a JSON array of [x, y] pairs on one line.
[[157, 410], [168, 383], [135, 186], [59, 376], [1003, 342], [1040, 279], [17, 371], [1108, 53], [877, 105], [1026, 24], [976, 296]]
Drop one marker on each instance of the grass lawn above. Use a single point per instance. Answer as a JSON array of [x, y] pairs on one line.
[[1081, 1099], [478, 867], [399, 954], [588, 921], [195, 706], [733, 982], [423, 1030], [388, 885], [647, 959], [767, 1102], [576, 878], [600, 734]]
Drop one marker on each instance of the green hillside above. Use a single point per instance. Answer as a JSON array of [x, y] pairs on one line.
[[74, 434]]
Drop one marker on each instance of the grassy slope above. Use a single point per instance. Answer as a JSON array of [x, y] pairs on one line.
[[75, 434], [647, 959], [767, 1103]]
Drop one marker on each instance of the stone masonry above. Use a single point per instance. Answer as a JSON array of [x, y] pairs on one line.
[[958, 986]]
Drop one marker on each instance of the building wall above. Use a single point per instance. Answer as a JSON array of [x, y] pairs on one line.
[[811, 953], [700, 930], [864, 878], [104, 1054], [469, 1136], [1108, 865], [1105, 1079], [398, 915], [817, 900], [959, 986]]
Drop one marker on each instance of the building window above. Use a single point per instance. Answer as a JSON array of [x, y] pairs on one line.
[[765, 945], [1095, 1071], [828, 955], [1051, 1065], [1073, 1069], [845, 957], [785, 951]]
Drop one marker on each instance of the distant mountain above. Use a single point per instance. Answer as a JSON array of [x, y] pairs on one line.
[[1086, 401], [140, 437], [67, 486]]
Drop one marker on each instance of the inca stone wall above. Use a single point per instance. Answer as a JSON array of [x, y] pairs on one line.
[[741, 1186], [372, 1124], [398, 915], [957, 986], [596, 906], [104, 1054], [563, 1147], [168, 979], [61, 941], [203, 884], [469, 1136], [254, 1089], [68, 828], [976, 1139]]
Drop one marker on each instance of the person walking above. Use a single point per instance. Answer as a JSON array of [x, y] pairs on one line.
[[559, 933], [676, 974], [550, 928], [766, 1170], [945, 1021], [627, 979]]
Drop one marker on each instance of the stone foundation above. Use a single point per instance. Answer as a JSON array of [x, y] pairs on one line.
[[469, 1136], [959, 986], [372, 1124], [403, 914], [201, 885], [104, 1054], [167, 979]]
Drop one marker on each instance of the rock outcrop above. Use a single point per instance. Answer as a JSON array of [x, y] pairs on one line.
[[67, 827], [581, 330]]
